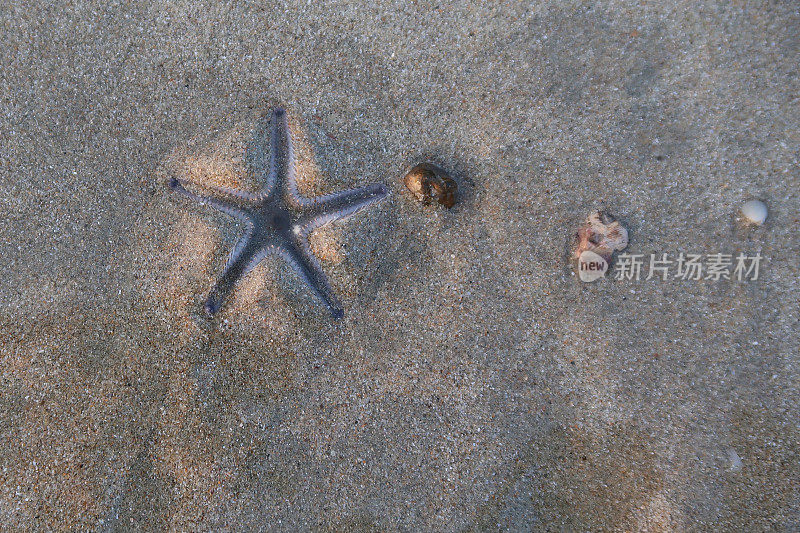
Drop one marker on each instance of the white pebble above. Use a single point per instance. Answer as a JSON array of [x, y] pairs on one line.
[[755, 211], [736, 461]]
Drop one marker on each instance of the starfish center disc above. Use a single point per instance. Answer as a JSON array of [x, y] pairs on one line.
[[280, 221]]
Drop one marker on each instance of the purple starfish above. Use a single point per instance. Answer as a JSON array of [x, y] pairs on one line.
[[277, 219]]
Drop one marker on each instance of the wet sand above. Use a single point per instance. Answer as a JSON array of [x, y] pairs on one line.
[[475, 383]]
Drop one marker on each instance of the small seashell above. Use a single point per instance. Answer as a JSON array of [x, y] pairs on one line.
[[429, 183], [755, 211], [602, 235]]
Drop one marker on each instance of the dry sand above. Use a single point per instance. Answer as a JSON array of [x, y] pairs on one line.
[[475, 383]]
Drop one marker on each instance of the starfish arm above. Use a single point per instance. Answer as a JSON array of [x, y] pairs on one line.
[[307, 267], [241, 245], [241, 195], [340, 205], [221, 205], [278, 173], [244, 258]]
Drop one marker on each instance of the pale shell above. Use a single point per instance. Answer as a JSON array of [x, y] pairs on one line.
[[602, 235]]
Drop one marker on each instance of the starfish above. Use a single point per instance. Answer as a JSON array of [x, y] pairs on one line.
[[277, 219]]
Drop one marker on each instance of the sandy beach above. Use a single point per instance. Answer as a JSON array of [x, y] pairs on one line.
[[474, 383]]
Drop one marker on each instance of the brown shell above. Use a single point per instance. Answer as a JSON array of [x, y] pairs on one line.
[[429, 183]]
